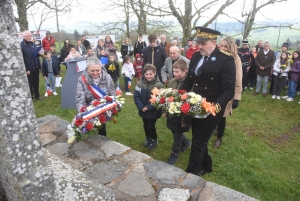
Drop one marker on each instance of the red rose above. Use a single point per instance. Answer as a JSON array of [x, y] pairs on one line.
[[102, 119], [114, 111], [181, 91], [185, 108], [108, 99], [96, 103], [162, 100], [78, 122], [83, 109], [89, 126]]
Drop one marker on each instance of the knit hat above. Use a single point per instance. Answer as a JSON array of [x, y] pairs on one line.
[[285, 45], [137, 56]]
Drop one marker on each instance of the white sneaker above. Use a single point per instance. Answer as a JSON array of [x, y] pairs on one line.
[[129, 94], [298, 102], [46, 94], [284, 97], [251, 88], [278, 97], [245, 87], [60, 85], [274, 96], [298, 92], [54, 93], [289, 99]]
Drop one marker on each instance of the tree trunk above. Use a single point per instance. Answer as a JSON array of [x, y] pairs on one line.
[[22, 14], [57, 25]]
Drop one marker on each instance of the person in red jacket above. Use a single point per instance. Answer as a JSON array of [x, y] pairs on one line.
[[47, 41], [192, 49]]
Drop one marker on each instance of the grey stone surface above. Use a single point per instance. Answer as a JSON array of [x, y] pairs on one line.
[[80, 145], [89, 154], [47, 138], [24, 171], [135, 157], [61, 127], [136, 184], [111, 148], [192, 181], [163, 172], [60, 148], [72, 184], [97, 140], [106, 172], [168, 194], [215, 192], [46, 120]]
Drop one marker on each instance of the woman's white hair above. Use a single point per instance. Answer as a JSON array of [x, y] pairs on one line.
[[93, 61]]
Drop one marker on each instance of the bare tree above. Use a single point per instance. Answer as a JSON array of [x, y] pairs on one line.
[[248, 14], [39, 14]]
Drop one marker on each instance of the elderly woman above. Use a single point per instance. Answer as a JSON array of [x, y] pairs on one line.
[[80, 48], [100, 47], [126, 48], [228, 45], [95, 76]]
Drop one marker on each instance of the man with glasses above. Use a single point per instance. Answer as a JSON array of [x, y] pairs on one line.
[[32, 64], [212, 75]]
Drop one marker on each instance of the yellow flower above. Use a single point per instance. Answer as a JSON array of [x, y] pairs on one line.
[[71, 139], [193, 100]]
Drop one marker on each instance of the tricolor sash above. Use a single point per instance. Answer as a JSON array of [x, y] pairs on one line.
[[95, 90]]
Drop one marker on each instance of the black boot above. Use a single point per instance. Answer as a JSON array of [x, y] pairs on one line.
[[147, 142], [186, 144], [172, 159], [152, 144]]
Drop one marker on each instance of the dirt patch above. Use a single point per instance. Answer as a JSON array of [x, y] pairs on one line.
[[295, 129], [286, 136]]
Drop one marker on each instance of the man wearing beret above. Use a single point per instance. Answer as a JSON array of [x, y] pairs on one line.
[[212, 75]]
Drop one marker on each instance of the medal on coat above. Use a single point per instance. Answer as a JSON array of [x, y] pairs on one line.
[[213, 58]]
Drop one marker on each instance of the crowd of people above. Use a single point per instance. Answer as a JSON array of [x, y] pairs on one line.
[[220, 72]]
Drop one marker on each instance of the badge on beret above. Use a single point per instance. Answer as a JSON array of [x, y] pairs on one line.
[[213, 58]]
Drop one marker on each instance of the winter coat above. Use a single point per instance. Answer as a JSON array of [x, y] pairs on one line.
[[252, 70], [127, 70], [138, 68], [32, 64], [166, 46], [138, 47], [98, 50], [83, 50], [277, 70], [142, 95], [266, 61], [55, 67], [64, 52], [174, 122], [73, 56], [294, 73], [189, 53], [126, 49], [86, 43], [83, 94], [168, 67], [113, 69], [46, 43]]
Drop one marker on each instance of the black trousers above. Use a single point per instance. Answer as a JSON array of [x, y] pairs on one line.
[[149, 128], [221, 127], [102, 131], [278, 84], [272, 83], [245, 76], [179, 139], [33, 80], [202, 130]]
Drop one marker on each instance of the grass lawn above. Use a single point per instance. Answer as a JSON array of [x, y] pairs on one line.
[[259, 156]]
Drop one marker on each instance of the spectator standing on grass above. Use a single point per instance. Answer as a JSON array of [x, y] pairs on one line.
[[50, 69], [85, 42], [187, 47], [245, 54], [138, 67], [155, 55], [110, 46], [264, 62], [55, 56], [293, 76], [228, 45], [252, 70], [47, 41], [165, 44], [80, 48], [139, 45], [148, 112], [178, 124], [126, 48], [167, 69], [32, 64], [192, 49], [65, 50], [100, 46], [113, 69], [280, 73], [127, 73], [259, 45]]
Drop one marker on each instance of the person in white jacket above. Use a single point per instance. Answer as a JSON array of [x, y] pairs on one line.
[[127, 73], [280, 72]]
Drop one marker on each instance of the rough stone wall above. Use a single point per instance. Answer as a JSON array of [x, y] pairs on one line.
[[24, 171]]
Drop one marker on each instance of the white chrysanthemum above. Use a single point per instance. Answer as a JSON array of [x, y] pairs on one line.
[[98, 123], [71, 139], [198, 97], [170, 111], [193, 100], [192, 94], [178, 104], [89, 108]]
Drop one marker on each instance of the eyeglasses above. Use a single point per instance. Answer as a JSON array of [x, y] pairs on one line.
[[93, 71]]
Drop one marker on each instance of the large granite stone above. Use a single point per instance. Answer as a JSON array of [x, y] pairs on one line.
[[47, 138], [168, 194], [106, 172], [61, 127], [111, 148], [46, 120], [136, 184], [191, 181], [163, 172], [60, 148], [80, 145], [134, 157], [97, 140], [213, 192], [89, 154], [72, 184]]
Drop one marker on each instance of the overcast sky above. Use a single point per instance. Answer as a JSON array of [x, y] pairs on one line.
[[81, 18]]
